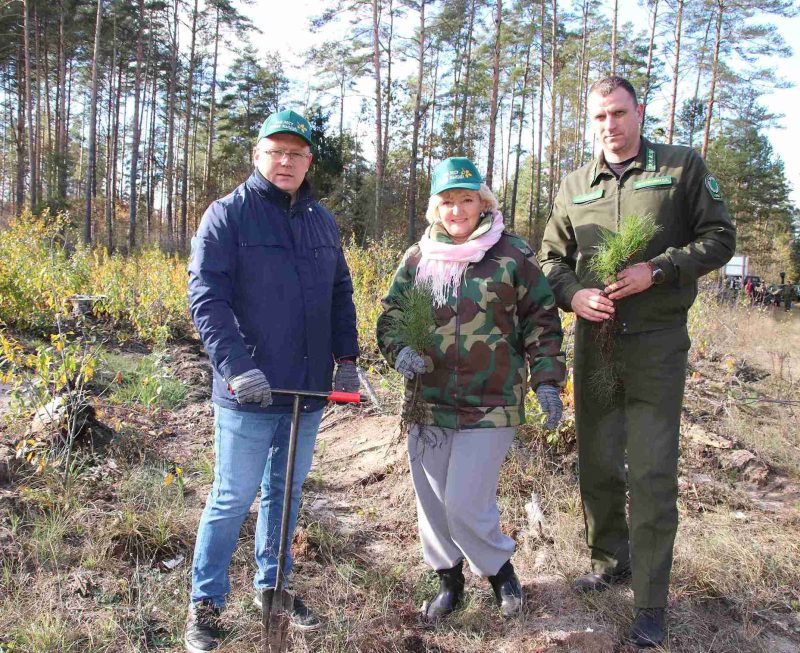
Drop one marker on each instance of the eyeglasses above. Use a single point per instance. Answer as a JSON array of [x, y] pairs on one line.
[[294, 157]]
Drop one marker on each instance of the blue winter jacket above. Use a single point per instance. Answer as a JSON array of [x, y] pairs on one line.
[[269, 288]]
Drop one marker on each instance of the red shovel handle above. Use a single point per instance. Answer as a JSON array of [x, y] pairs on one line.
[[346, 397]]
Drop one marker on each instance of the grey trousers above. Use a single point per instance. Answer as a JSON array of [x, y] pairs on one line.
[[455, 476]]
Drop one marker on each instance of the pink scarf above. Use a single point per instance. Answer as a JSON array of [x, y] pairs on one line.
[[443, 264]]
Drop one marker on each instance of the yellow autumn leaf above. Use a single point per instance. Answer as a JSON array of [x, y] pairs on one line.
[[168, 479]]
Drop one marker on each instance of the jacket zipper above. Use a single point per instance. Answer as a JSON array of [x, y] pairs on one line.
[[619, 201], [458, 350]]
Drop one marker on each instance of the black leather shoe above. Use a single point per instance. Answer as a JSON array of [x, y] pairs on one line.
[[507, 590], [203, 631], [647, 630], [451, 589], [592, 582]]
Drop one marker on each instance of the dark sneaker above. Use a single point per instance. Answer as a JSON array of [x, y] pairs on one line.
[[301, 617], [593, 582], [203, 630], [648, 628], [507, 590]]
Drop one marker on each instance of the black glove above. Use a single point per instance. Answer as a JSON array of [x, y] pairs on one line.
[[346, 377]]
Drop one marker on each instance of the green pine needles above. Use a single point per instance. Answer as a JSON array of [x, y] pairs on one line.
[[616, 252], [414, 325], [620, 249]]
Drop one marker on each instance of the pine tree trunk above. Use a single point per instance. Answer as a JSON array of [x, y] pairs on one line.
[[674, 99], [412, 176], [185, 170], [552, 138], [29, 106], [151, 157], [541, 119], [61, 111], [20, 137], [649, 74], [137, 92], [614, 38], [170, 171], [579, 133], [376, 62], [498, 19], [111, 148], [90, 163], [388, 88], [39, 154], [433, 113], [714, 71], [506, 172], [212, 107], [465, 89], [513, 214], [692, 127]]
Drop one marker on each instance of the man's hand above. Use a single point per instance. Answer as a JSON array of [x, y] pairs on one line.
[[251, 387], [409, 363], [550, 401], [630, 281], [591, 305], [346, 377]]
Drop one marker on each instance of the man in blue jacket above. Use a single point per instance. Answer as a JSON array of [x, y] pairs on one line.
[[272, 300]]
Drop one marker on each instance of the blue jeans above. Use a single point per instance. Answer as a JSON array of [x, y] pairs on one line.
[[251, 450]]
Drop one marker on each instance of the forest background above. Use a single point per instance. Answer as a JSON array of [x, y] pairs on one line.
[[133, 116]]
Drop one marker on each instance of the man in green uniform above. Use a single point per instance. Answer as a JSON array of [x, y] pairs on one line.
[[648, 302]]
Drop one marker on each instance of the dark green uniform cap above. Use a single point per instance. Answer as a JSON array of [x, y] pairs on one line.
[[286, 122], [455, 172]]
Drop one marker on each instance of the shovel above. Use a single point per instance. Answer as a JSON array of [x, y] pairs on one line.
[[276, 603]]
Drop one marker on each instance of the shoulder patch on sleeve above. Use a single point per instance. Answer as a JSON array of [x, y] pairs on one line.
[[712, 186]]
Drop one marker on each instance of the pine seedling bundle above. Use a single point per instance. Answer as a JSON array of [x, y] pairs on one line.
[[616, 251], [414, 325]]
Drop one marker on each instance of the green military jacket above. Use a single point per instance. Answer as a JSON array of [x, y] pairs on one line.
[[672, 184], [502, 314]]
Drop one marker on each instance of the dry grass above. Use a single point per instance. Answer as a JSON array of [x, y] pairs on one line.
[[82, 571]]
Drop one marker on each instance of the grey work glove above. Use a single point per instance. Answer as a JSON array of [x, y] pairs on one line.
[[251, 387], [409, 363], [550, 401], [346, 377]]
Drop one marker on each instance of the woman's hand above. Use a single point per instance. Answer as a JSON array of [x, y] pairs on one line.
[[409, 363], [550, 401]]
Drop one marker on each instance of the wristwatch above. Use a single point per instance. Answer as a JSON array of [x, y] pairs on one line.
[[657, 275]]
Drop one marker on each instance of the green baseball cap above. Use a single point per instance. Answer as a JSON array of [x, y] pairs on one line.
[[286, 122], [455, 172]]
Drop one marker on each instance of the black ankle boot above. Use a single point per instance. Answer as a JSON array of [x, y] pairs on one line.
[[507, 590], [648, 628], [451, 588]]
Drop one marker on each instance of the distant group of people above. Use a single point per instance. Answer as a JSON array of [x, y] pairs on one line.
[[758, 293], [271, 296]]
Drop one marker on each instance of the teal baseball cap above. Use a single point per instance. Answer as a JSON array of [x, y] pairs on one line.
[[286, 122], [455, 172]]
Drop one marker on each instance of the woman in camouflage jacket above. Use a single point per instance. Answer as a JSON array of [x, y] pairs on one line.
[[495, 318]]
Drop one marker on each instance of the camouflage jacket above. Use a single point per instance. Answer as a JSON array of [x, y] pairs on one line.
[[502, 319]]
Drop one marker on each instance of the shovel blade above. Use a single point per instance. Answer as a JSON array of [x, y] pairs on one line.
[[275, 619]]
